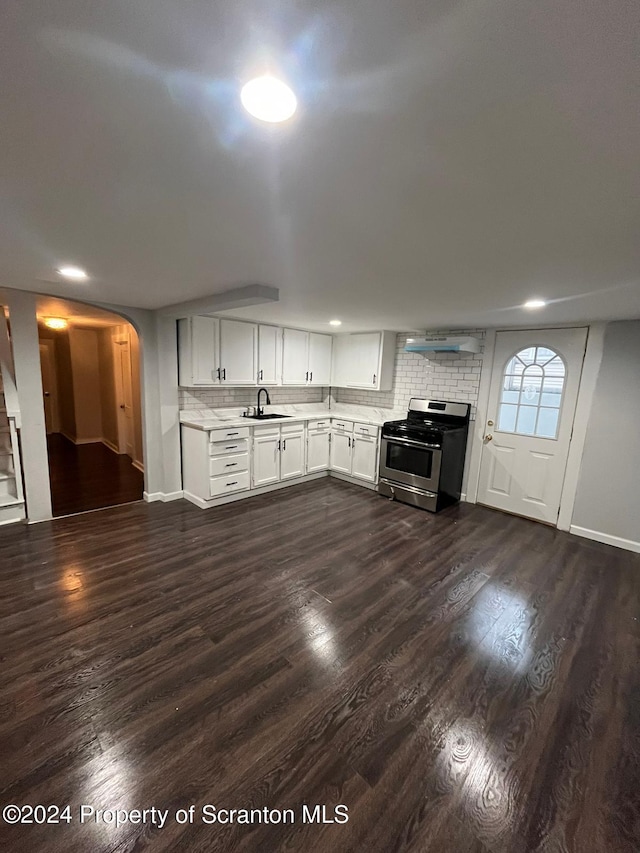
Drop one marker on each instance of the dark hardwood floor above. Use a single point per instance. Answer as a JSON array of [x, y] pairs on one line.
[[89, 476], [464, 683]]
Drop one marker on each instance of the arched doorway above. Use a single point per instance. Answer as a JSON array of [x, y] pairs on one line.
[[90, 361]]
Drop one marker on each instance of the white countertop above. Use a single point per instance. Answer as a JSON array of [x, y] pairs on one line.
[[206, 419]]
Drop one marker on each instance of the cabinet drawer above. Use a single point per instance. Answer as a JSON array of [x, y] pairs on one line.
[[270, 429], [325, 423], [366, 429], [232, 445], [289, 429], [232, 432], [341, 426], [231, 464], [229, 483]]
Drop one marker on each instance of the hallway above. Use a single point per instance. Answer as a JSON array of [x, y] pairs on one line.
[[90, 476]]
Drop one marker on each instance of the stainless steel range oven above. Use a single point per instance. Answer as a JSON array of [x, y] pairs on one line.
[[422, 457]]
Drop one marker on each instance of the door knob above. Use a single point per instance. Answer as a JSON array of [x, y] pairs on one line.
[[489, 423], [488, 438]]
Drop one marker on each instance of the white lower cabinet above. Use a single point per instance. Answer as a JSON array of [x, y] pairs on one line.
[[292, 455], [365, 458], [318, 450], [266, 458], [278, 453], [355, 453]]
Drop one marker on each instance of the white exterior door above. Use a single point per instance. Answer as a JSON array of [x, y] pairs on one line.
[[319, 359], [532, 401], [295, 357], [269, 355], [365, 458], [292, 456], [238, 364], [266, 459], [341, 452]]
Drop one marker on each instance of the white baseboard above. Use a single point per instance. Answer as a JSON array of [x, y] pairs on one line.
[[354, 480], [605, 538], [165, 497]]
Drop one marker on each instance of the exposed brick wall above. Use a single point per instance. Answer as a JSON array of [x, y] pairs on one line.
[[218, 398], [442, 375]]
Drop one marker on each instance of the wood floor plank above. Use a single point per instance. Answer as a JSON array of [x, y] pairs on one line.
[[465, 682]]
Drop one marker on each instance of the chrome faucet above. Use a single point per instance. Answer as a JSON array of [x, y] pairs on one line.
[[259, 409]]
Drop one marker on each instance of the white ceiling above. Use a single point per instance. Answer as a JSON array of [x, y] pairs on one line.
[[449, 159]]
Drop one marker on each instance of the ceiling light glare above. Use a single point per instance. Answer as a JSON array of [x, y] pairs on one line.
[[335, 322], [268, 99], [534, 303], [73, 273], [55, 323]]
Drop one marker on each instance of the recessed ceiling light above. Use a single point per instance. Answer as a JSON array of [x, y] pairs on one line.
[[268, 99], [335, 322], [55, 323], [73, 273], [535, 303]]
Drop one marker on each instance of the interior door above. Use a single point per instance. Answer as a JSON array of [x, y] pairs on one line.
[[124, 394], [532, 401], [49, 386]]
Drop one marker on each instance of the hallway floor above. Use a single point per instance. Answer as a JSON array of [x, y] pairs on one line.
[[89, 476]]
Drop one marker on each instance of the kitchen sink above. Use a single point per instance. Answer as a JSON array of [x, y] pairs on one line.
[[266, 417]]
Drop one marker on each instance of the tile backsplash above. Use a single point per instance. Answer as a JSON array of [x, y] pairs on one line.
[[442, 375], [219, 398]]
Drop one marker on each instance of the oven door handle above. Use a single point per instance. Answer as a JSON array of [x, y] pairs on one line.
[[411, 443]]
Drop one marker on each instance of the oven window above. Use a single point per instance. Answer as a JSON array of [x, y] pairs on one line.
[[411, 460]]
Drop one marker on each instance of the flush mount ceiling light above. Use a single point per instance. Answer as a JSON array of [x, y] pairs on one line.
[[268, 99], [72, 273], [55, 323], [534, 303], [335, 322]]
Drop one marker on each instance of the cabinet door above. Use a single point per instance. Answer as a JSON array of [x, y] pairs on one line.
[[363, 369], [198, 351], [295, 357], [341, 452], [340, 359], [365, 458], [238, 364], [292, 456], [319, 359], [269, 355], [266, 460], [318, 448]]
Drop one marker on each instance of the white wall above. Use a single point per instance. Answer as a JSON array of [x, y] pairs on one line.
[[218, 398], [607, 501]]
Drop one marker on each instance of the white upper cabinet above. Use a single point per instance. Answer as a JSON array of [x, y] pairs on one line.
[[319, 359], [364, 360], [269, 355], [198, 351], [238, 352], [295, 357]]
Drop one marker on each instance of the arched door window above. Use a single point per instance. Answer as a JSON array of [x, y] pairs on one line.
[[531, 395]]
